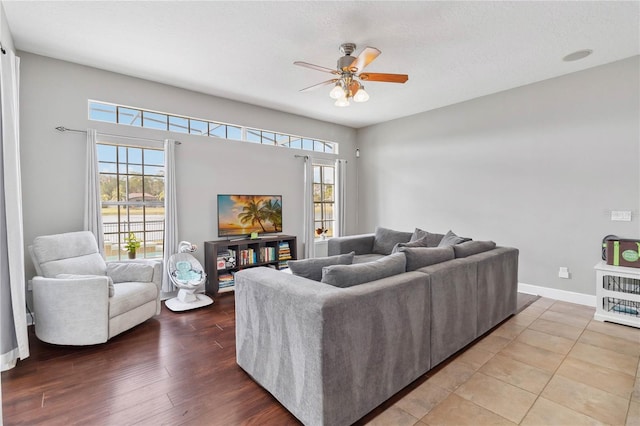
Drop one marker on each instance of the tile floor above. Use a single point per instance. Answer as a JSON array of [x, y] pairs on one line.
[[551, 364]]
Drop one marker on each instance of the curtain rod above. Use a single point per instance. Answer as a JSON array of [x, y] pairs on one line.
[[306, 157], [66, 129]]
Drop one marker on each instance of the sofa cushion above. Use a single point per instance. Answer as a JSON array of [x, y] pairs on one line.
[[312, 268], [432, 239], [469, 248], [385, 239], [358, 273], [90, 264], [77, 276], [364, 258], [422, 242], [419, 257], [130, 295], [450, 238], [122, 272], [70, 253]]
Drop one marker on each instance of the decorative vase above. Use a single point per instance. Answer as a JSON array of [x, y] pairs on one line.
[[132, 254]]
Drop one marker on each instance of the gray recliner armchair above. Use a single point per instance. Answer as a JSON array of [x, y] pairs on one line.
[[79, 299]]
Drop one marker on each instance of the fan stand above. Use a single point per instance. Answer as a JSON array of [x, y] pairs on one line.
[[187, 299]]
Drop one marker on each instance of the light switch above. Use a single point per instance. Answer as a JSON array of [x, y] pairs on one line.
[[621, 215]]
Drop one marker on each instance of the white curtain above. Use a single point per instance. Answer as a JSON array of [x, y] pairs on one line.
[[341, 197], [308, 228], [93, 204], [14, 343], [170, 211]]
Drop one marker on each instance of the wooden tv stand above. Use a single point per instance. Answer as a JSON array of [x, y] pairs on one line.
[[272, 251]]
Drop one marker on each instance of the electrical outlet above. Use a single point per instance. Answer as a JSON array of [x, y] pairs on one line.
[[564, 272], [621, 215]]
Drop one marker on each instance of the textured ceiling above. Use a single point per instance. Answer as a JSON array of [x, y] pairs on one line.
[[452, 51]]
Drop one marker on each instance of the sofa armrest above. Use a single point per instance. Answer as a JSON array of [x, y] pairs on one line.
[[314, 346], [361, 244], [497, 286], [71, 311]]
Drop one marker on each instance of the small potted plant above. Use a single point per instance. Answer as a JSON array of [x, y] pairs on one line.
[[132, 244], [321, 232]]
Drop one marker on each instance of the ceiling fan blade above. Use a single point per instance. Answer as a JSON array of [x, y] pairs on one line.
[[365, 58], [315, 86], [354, 87], [315, 67], [389, 78]]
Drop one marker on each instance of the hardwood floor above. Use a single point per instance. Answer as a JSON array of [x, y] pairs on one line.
[[178, 368]]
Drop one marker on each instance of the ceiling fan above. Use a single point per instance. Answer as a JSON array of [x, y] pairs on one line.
[[348, 83]]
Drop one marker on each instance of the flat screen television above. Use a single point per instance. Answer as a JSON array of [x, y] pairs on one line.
[[240, 215]]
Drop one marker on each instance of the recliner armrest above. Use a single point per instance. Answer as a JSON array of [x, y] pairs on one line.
[[72, 311], [140, 270]]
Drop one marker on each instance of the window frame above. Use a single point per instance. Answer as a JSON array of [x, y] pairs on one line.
[[247, 134], [122, 170], [323, 222]]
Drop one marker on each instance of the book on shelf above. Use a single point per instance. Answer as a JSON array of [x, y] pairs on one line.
[[284, 251], [226, 280], [225, 285], [248, 257], [283, 265], [267, 254]]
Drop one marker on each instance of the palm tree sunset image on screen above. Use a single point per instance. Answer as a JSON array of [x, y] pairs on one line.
[[244, 214]]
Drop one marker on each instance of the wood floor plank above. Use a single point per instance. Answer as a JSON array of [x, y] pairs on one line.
[[173, 369]]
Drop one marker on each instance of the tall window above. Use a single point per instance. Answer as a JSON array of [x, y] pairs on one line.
[[132, 190], [324, 200]]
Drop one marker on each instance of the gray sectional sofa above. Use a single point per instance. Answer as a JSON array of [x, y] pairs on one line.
[[330, 353]]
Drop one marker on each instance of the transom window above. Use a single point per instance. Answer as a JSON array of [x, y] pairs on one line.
[[324, 200], [131, 116], [132, 191]]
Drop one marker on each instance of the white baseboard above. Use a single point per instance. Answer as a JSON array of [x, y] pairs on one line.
[[553, 293]]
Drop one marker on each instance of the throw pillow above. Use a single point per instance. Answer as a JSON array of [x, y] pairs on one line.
[[385, 240], [451, 238], [358, 273], [432, 239], [419, 257], [130, 272], [422, 242], [112, 289], [312, 268], [469, 248]]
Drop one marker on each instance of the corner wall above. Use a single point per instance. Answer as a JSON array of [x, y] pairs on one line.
[[538, 167], [55, 93]]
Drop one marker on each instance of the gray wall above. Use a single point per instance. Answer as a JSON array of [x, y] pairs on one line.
[[538, 168], [54, 93], [5, 31]]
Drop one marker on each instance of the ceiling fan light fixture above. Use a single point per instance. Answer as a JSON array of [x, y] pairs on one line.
[[342, 102], [348, 75], [361, 95], [337, 92]]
